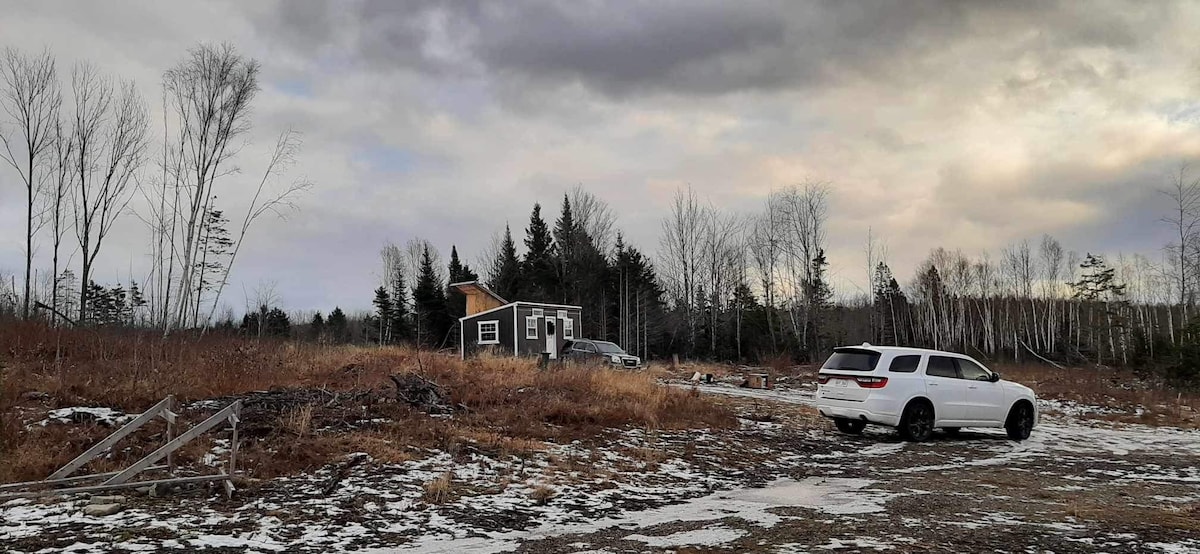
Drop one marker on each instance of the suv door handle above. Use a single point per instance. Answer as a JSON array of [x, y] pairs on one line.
[[931, 384], [972, 387]]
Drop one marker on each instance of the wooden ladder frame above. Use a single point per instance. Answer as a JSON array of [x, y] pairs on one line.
[[121, 479]]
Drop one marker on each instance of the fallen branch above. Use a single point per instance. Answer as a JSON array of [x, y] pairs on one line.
[[342, 472], [1038, 356]]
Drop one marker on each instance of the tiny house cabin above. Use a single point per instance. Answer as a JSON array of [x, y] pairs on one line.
[[514, 328]]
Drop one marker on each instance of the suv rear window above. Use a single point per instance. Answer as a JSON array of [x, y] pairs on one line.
[[904, 364], [852, 359], [941, 366]]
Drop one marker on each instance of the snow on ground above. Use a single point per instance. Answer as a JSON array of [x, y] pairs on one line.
[[701, 537], [800, 488], [84, 414]]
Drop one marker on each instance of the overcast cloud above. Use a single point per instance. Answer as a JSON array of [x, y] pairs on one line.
[[957, 124]]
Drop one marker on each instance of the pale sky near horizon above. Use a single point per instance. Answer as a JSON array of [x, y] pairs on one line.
[[967, 125]]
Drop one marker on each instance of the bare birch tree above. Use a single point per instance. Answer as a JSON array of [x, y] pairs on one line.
[[680, 256], [60, 195], [110, 133], [764, 243], [208, 96], [1184, 219], [802, 212], [595, 217], [31, 97]]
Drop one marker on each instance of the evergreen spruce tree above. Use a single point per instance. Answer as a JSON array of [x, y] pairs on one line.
[[278, 324], [538, 275], [137, 301], [890, 306], [429, 297], [636, 303], [337, 325], [456, 302], [820, 298], [400, 326], [383, 315], [505, 275], [316, 328], [565, 241]]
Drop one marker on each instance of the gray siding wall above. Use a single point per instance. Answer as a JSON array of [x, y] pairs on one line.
[[535, 346], [470, 332]]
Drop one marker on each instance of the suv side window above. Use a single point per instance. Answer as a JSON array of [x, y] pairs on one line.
[[587, 347], [971, 370], [942, 366], [904, 364]]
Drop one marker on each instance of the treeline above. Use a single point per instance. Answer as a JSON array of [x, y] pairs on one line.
[[579, 260]]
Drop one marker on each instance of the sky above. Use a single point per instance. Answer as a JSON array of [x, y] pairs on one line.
[[965, 125]]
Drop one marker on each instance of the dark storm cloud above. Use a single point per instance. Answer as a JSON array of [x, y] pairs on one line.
[[700, 48]]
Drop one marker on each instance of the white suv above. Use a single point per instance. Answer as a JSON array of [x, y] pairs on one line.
[[917, 390]]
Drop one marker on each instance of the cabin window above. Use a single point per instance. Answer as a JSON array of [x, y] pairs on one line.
[[489, 332], [568, 328], [538, 313], [531, 327], [562, 314]]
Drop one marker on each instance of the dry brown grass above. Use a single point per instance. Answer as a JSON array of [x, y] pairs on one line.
[[511, 406], [440, 489], [298, 420], [1124, 390], [542, 494]]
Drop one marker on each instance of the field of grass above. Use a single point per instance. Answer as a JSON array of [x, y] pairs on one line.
[[501, 404]]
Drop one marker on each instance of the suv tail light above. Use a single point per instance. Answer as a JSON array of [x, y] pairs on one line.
[[822, 379], [871, 382]]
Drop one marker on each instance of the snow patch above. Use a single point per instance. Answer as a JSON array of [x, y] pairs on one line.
[[700, 537]]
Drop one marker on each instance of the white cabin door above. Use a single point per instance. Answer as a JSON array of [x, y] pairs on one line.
[[552, 338]]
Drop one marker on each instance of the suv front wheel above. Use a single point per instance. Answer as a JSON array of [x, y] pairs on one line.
[[850, 426], [1020, 421]]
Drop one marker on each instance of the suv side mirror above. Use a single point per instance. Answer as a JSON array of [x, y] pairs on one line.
[[994, 377]]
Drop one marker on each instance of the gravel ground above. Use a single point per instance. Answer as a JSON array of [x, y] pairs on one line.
[[783, 482]]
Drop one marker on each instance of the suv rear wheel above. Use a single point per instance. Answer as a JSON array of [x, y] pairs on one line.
[[850, 426], [917, 422]]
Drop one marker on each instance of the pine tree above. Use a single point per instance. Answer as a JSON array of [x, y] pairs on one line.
[[383, 315], [636, 303], [890, 306], [819, 299], [456, 302], [278, 324], [338, 328], [565, 241], [316, 328], [401, 329], [137, 301], [430, 299], [505, 275], [1098, 284], [538, 275]]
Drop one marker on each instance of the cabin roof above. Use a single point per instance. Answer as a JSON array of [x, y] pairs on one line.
[[475, 287]]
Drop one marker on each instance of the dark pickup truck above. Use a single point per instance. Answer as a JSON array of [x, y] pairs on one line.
[[601, 351]]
